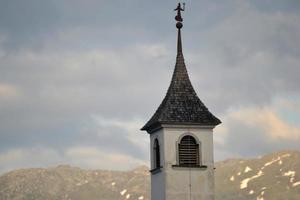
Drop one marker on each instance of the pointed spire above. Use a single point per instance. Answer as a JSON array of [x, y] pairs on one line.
[[181, 105], [179, 43]]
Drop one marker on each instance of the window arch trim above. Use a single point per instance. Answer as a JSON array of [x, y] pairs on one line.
[[199, 164]]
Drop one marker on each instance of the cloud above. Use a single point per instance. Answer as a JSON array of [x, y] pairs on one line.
[[89, 75], [66, 88], [267, 120], [115, 136], [29, 157], [81, 156], [247, 58], [8, 91], [132, 128], [72, 98], [252, 131], [91, 157]]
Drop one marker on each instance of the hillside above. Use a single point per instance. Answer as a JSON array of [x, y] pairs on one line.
[[271, 177]]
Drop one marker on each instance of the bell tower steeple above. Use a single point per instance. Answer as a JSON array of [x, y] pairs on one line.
[[181, 138]]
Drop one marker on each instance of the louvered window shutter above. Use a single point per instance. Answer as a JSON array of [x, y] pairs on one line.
[[188, 151]]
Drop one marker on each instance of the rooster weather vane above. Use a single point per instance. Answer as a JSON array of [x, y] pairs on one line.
[[178, 17]]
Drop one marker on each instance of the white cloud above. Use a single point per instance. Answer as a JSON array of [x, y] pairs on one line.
[[29, 157], [153, 51], [267, 120], [8, 91], [290, 105], [11, 156], [83, 65], [131, 126], [93, 157], [259, 126], [81, 156]]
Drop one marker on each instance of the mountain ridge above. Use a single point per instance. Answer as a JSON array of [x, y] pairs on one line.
[[274, 176]]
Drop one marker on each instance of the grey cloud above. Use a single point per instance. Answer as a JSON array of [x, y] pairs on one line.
[[90, 24], [71, 60], [109, 138], [248, 141], [58, 94], [24, 22], [250, 57], [277, 5]]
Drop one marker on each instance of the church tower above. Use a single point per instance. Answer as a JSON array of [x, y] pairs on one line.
[[181, 139]]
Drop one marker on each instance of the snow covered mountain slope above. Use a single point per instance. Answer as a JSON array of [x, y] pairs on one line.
[[272, 177]]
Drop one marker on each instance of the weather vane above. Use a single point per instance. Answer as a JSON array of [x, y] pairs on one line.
[[178, 17]]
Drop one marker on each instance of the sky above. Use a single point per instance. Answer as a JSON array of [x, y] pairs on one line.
[[78, 79]]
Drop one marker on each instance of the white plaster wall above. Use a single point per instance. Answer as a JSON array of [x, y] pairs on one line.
[[158, 179], [174, 183], [188, 183]]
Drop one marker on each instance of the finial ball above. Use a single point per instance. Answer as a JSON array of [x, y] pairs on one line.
[[179, 25]]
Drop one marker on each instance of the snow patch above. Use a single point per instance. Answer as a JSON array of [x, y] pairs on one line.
[[292, 180], [286, 155], [127, 196], [280, 162], [296, 184], [123, 192], [260, 197], [232, 178], [271, 162], [291, 174], [141, 197], [251, 192], [113, 183], [247, 169], [244, 183], [239, 173]]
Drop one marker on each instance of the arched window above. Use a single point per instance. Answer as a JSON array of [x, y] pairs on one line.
[[156, 154], [188, 151]]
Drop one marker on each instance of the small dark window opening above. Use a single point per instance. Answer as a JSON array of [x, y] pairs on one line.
[[156, 154], [188, 151]]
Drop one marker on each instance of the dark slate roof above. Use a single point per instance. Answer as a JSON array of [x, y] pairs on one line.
[[181, 105]]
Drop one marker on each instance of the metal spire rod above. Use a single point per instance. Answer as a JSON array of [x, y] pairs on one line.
[[179, 25]]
